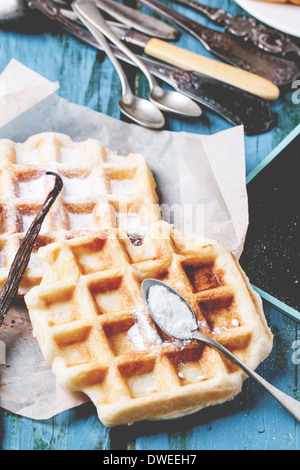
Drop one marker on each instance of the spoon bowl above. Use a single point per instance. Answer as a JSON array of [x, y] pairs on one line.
[[172, 101], [141, 111], [174, 315], [169, 323]]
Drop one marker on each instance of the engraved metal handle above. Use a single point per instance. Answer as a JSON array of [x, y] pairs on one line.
[[292, 405], [126, 90], [247, 29], [217, 15]]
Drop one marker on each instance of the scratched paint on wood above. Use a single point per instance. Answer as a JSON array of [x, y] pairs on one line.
[[253, 420]]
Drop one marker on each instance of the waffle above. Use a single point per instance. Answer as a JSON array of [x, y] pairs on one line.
[[93, 328], [101, 190]]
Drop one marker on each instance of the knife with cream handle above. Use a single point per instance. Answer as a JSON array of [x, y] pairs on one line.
[[279, 71], [188, 60], [173, 55], [192, 61], [231, 103]]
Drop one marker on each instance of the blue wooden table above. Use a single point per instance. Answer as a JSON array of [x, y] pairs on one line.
[[253, 420]]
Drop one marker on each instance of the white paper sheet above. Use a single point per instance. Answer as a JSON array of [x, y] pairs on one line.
[[20, 89]]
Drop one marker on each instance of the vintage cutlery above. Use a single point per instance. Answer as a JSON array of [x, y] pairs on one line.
[[141, 111], [254, 113], [139, 21], [190, 332], [171, 54], [134, 39], [247, 29], [231, 103], [169, 101], [277, 70], [188, 60], [128, 16], [12, 11]]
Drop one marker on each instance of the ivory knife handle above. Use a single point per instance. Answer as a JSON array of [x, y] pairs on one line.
[[234, 76]]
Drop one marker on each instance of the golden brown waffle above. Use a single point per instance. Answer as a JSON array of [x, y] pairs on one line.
[[92, 326], [101, 190]]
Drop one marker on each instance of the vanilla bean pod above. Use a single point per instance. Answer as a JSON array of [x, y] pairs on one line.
[[24, 252]]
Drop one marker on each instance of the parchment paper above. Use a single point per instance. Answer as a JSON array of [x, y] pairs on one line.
[[205, 175]]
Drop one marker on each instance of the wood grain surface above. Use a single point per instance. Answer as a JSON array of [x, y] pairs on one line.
[[253, 420]]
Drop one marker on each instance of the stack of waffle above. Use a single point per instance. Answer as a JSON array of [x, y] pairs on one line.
[[102, 238], [101, 190], [295, 2]]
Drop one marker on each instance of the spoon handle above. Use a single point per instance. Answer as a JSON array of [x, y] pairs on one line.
[[105, 46], [92, 14], [292, 405]]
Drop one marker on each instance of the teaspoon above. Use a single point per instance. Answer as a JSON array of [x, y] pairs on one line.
[[170, 101], [138, 109], [189, 331]]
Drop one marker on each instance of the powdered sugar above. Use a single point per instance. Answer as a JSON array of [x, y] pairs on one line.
[[200, 377], [27, 221], [136, 338], [27, 156], [34, 262], [33, 189], [120, 187], [171, 314], [72, 155], [83, 221], [141, 333], [76, 187]]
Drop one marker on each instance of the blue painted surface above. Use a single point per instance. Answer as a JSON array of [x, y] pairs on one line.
[[253, 420]]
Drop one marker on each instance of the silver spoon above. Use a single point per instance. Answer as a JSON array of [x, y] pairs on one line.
[[138, 109], [170, 101], [189, 331]]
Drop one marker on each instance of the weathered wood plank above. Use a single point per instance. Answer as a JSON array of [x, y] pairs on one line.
[[254, 420]]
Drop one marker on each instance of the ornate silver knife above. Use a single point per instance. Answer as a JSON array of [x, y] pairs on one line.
[[247, 29], [139, 21], [277, 70]]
